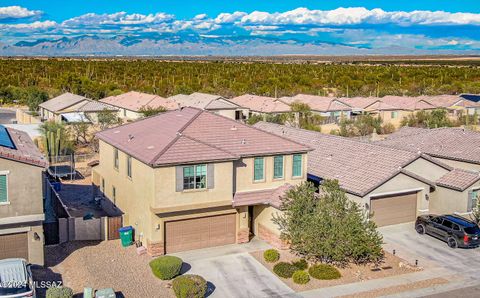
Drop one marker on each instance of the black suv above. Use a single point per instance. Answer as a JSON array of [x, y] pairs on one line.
[[455, 230]]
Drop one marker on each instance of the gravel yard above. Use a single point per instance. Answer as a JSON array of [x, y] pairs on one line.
[[101, 265], [351, 274]]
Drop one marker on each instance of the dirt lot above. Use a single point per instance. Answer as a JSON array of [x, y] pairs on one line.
[[351, 274], [101, 265]]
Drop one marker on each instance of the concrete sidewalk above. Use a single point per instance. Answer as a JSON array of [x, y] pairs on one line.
[[376, 284]]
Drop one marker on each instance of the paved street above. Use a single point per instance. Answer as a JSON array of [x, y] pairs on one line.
[[6, 116]]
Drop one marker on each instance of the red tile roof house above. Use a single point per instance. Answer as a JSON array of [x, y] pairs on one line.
[[210, 102], [260, 105], [395, 185], [130, 104], [21, 197], [189, 178], [333, 109], [454, 104]]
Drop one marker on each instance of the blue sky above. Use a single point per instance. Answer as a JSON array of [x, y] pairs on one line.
[[417, 25]]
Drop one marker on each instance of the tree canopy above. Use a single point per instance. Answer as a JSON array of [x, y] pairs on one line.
[[328, 227]]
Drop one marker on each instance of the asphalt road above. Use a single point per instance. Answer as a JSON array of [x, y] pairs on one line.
[[469, 292], [6, 116]]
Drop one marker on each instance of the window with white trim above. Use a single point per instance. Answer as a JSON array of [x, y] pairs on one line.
[[195, 177]]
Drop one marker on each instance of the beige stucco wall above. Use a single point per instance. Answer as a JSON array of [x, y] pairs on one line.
[[460, 164], [25, 192], [451, 201], [25, 198], [226, 113], [263, 215], [426, 169], [244, 174], [387, 117]]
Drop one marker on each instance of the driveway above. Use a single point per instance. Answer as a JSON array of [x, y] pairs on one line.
[[460, 264], [7, 115], [233, 272]]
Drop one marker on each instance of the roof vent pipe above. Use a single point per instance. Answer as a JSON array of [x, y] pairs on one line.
[[130, 137], [244, 141]]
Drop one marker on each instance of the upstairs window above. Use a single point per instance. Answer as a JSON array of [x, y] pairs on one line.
[[129, 166], [394, 115], [3, 189], [258, 173], [297, 165], [278, 167], [195, 177], [115, 158]]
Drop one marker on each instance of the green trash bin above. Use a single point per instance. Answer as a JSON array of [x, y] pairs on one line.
[[126, 235]]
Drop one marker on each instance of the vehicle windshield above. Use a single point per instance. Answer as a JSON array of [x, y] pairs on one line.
[[472, 230]]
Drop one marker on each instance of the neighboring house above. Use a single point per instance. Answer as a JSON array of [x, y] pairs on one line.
[[331, 108], [130, 104], [395, 185], [21, 197], [392, 109], [214, 103], [454, 104], [457, 147], [260, 105], [189, 179], [70, 108]]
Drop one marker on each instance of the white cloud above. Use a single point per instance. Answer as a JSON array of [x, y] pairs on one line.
[[17, 12], [118, 18], [30, 26], [225, 18], [359, 15]]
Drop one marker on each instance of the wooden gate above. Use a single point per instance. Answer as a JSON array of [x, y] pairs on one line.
[[114, 223]]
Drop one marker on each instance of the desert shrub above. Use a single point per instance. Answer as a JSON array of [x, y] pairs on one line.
[[324, 271], [271, 255], [284, 269], [387, 128], [59, 292], [300, 277], [166, 267], [189, 286], [300, 264]]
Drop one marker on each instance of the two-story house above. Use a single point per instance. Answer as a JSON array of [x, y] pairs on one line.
[[189, 178], [21, 197]]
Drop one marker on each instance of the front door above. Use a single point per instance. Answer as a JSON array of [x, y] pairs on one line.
[[251, 221]]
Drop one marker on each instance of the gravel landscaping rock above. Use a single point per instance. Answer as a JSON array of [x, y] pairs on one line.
[[101, 265]]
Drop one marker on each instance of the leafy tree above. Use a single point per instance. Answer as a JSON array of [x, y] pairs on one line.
[[302, 116], [148, 111], [35, 97], [254, 119], [329, 227], [107, 119], [428, 119], [80, 132], [360, 126], [476, 211]]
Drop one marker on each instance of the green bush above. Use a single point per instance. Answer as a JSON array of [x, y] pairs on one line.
[[189, 286], [301, 277], [284, 269], [166, 267], [324, 271], [271, 255], [300, 264], [59, 292]]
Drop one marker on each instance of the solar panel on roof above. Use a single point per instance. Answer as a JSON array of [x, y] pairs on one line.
[[5, 139]]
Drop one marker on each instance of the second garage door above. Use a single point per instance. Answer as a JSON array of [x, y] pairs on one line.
[[390, 210], [200, 233], [14, 246]]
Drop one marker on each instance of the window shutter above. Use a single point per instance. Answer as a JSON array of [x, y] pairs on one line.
[[470, 201], [179, 178], [3, 189], [210, 175]]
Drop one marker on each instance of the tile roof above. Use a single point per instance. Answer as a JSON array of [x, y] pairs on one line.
[[62, 102], [407, 102], [135, 101], [261, 104], [270, 197], [458, 179], [318, 103], [359, 167], [203, 101], [359, 102], [95, 106], [449, 143], [25, 150], [191, 135]]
